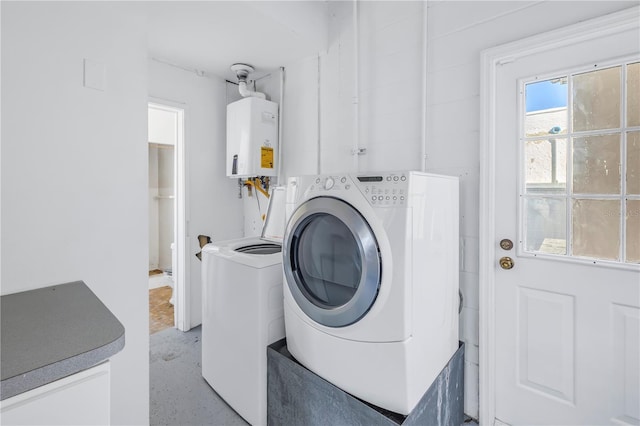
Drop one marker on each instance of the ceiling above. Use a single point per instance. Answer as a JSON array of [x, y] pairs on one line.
[[210, 36]]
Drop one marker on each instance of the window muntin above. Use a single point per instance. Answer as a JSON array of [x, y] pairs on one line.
[[580, 164]]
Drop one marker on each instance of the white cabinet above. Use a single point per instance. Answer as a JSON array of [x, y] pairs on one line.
[[80, 399]]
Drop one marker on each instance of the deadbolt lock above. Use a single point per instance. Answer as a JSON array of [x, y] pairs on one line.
[[506, 244], [506, 262]]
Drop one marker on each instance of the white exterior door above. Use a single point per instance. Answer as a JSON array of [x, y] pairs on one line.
[[564, 328]]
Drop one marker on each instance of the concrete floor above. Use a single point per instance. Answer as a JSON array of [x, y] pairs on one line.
[[179, 396], [178, 393]]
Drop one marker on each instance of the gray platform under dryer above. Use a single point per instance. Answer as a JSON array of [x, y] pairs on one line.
[[296, 396]]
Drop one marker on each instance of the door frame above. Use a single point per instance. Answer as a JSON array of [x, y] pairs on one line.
[[181, 290], [490, 60]]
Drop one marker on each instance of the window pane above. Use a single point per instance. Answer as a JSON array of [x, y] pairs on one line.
[[546, 229], [596, 100], [633, 163], [546, 166], [546, 107], [329, 261], [633, 94], [596, 165], [596, 228], [633, 231]]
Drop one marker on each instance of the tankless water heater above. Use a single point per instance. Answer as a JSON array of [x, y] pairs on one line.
[[252, 137]]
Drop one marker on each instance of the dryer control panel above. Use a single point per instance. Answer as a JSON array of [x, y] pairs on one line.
[[387, 189], [333, 182]]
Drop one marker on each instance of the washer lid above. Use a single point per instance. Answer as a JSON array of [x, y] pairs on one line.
[[273, 228], [331, 261]]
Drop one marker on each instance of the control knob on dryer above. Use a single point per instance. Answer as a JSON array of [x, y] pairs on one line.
[[328, 183]]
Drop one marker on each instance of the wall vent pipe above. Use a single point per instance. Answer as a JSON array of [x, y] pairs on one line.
[[242, 72]]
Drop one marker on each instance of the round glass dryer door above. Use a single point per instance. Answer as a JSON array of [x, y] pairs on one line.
[[331, 261]]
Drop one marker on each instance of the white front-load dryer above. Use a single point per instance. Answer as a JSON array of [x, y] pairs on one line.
[[371, 272]]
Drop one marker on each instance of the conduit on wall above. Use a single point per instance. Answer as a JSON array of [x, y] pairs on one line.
[[423, 153], [356, 151], [281, 108], [319, 134]]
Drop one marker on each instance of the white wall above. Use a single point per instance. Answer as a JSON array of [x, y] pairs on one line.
[[72, 157], [390, 87], [300, 119], [213, 206], [390, 104]]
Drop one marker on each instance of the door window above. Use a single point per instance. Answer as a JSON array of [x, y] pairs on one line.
[[331, 261], [580, 144]]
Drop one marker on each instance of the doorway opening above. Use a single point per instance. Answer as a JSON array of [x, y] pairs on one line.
[[166, 217]]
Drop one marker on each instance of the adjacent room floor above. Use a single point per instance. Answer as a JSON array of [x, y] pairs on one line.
[[160, 309], [160, 306]]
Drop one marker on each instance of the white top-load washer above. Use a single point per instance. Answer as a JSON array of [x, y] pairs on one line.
[[242, 313], [371, 272]]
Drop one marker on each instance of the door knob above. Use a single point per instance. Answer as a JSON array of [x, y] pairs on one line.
[[506, 262]]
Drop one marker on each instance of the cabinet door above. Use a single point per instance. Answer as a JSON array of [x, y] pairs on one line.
[[80, 399]]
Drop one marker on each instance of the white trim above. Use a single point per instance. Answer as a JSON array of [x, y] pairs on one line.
[[487, 250], [182, 290], [490, 59]]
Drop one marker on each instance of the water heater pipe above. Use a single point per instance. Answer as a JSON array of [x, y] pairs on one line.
[[242, 72], [256, 184], [244, 92]]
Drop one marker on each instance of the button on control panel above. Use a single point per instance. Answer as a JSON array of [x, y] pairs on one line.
[[385, 190]]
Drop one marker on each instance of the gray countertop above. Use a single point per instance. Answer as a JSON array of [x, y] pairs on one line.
[[53, 332]]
